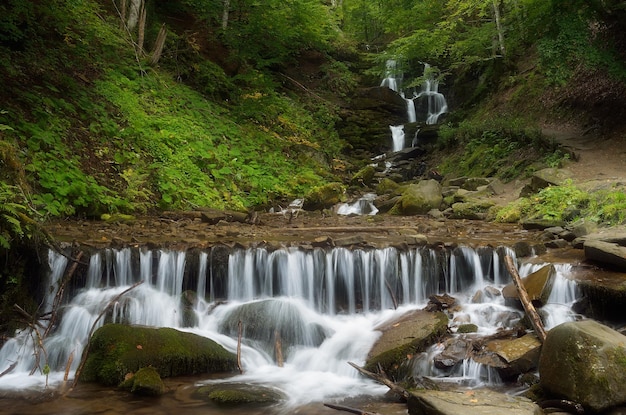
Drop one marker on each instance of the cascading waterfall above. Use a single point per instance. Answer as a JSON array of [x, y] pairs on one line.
[[327, 302], [429, 96]]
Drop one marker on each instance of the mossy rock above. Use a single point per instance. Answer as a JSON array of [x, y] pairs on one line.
[[388, 187], [419, 199], [235, 394], [324, 197], [412, 333], [118, 349], [365, 176], [467, 328], [146, 382]]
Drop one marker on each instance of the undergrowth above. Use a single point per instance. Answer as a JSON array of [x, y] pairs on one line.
[[568, 203]]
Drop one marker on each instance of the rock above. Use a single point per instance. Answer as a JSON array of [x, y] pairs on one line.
[[585, 362], [146, 382], [455, 350], [400, 339], [237, 394], [418, 199], [467, 328], [496, 187], [363, 177], [118, 349], [476, 210], [521, 354], [470, 402], [541, 224], [324, 197], [261, 319], [548, 177], [387, 187], [538, 286], [440, 302], [604, 298], [607, 253], [557, 243]]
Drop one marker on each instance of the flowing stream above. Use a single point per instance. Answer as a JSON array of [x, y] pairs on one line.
[[326, 302]]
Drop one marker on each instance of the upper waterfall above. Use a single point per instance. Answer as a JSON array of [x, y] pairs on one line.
[[425, 105]]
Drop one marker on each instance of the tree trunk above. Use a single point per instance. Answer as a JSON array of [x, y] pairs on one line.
[[133, 14], [496, 13], [142, 29], [532, 314], [225, 14], [158, 46]]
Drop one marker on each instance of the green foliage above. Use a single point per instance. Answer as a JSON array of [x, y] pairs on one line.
[[577, 38], [568, 203], [499, 147]]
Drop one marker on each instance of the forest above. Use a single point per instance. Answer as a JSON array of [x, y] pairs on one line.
[[135, 107]]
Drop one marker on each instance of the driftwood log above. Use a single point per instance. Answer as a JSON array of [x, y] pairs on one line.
[[349, 409], [531, 312]]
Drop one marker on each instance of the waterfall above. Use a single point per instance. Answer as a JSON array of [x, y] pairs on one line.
[[433, 102], [397, 136], [327, 302]]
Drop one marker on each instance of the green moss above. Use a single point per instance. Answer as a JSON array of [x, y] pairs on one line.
[[324, 197], [232, 394], [146, 382], [467, 328], [392, 360], [117, 350]]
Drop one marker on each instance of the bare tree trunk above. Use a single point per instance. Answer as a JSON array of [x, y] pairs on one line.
[[279, 349], [225, 13], [158, 45], [122, 12], [496, 13], [133, 14], [240, 330], [142, 29], [531, 312]]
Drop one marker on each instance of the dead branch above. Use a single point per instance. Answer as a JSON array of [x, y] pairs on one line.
[[68, 365], [83, 358], [393, 297], [279, 349], [59, 295], [348, 409], [240, 327], [531, 312], [398, 390], [9, 369], [158, 45]]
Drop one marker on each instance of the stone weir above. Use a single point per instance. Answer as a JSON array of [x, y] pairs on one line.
[[331, 279]]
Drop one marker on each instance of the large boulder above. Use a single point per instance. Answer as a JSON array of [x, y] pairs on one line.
[[117, 350], [238, 394], [400, 339], [538, 285], [605, 252], [473, 402], [325, 197], [262, 320], [585, 362], [419, 198]]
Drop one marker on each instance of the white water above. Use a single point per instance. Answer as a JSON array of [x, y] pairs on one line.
[[435, 101], [344, 293], [397, 137], [363, 206]]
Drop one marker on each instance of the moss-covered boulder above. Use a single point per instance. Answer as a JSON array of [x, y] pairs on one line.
[[325, 197], [410, 334], [419, 198], [236, 394], [118, 349], [146, 382], [387, 186], [364, 177], [585, 362]]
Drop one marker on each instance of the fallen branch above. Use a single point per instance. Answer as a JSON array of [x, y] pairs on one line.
[[9, 369], [348, 409], [279, 349], [239, 365], [393, 297], [398, 390], [531, 312], [83, 358], [59, 295]]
